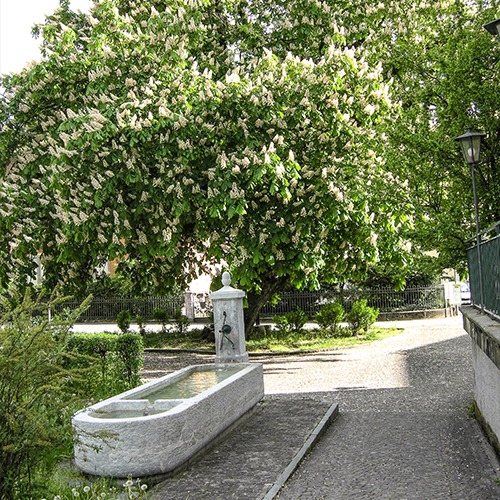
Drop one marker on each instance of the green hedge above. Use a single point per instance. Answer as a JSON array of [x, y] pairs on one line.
[[120, 358]]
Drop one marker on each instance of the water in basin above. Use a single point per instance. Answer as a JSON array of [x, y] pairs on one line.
[[190, 385]]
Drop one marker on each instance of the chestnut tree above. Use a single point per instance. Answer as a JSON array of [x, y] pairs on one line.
[[172, 134]]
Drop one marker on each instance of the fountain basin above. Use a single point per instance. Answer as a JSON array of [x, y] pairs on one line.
[[154, 428]]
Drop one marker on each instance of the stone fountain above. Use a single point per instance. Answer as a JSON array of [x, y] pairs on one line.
[[154, 428]]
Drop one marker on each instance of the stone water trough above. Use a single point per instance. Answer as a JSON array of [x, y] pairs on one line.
[[154, 428]]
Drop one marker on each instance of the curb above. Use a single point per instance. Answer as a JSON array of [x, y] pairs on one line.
[[174, 350], [251, 354], [315, 435]]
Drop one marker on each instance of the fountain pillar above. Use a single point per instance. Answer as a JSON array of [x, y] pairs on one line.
[[229, 324]]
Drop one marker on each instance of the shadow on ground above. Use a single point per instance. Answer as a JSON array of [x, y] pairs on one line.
[[411, 441]]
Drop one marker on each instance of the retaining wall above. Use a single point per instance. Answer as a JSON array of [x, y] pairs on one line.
[[485, 334]]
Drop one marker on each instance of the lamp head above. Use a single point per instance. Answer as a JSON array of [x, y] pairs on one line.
[[471, 145], [493, 27]]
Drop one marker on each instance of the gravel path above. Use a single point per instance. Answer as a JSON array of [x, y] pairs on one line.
[[158, 363], [403, 432], [380, 364]]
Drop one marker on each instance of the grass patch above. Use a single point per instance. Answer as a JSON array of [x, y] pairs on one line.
[[313, 340], [67, 482], [271, 340]]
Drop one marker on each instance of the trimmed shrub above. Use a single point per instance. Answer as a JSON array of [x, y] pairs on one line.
[[361, 316], [141, 323], [123, 321], [181, 321], [161, 315], [129, 350], [119, 358], [330, 316]]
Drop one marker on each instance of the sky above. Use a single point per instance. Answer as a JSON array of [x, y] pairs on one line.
[[17, 46]]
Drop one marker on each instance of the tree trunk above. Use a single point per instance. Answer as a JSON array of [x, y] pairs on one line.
[[256, 300]]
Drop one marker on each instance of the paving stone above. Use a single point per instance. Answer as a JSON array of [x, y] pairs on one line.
[[403, 431], [247, 462], [416, 441]]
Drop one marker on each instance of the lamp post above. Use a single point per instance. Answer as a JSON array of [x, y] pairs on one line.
[[471, 144]]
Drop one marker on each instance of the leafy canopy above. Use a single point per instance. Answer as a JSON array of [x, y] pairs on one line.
[[185, 133], [446, 77]]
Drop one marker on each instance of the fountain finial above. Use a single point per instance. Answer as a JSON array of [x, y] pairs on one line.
[[226, 278]]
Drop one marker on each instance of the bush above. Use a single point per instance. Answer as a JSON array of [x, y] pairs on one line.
[[330, 316], [119, 358], [297, 319], [291, 322], [37, 391], [161, 315], [361, 316], [129, 352], [141, 323], [94, 353], [181, 321], [123, 321]]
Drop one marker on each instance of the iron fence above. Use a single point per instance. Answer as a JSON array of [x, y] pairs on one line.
[[106, 309], [384, 299], [490, 272]]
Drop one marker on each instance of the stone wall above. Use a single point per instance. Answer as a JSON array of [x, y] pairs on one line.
[[485, 334], [420, 314]]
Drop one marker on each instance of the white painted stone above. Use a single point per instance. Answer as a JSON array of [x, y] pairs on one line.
[[157, 443]]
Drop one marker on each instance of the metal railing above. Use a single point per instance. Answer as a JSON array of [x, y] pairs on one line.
[[106, 309], [490, 271], [385, 299]]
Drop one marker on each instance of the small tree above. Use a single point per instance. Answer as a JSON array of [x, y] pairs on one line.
[[37, 391], [361, 316], [161, 315], [181, 321], [330, 316], [141, 323]]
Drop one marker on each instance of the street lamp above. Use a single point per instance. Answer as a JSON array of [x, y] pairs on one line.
[[471, 145], [493, 27]]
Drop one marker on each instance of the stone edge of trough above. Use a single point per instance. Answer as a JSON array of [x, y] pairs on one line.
[[330, 415]]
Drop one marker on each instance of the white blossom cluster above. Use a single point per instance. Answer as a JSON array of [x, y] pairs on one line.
[[155, 143]]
